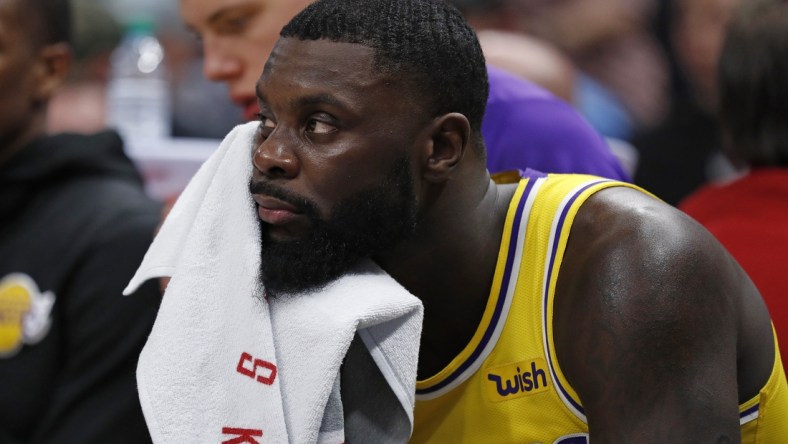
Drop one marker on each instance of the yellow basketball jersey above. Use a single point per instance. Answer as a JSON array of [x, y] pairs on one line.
[[506, 385]]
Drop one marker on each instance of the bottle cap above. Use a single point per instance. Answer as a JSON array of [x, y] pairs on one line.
[[140, 25]]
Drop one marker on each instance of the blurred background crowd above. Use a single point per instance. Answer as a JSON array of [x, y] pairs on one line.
[[642, 72]]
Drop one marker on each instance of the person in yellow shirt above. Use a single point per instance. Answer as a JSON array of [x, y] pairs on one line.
[[558, 308]]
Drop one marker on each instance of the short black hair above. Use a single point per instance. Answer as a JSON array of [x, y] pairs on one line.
[[753, 85], [428, 43], [51, 20]]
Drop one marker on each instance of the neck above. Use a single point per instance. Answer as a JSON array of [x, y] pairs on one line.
[[449, 264]]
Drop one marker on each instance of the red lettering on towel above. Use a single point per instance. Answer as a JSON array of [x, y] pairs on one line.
[[255, 364], [241, 435]]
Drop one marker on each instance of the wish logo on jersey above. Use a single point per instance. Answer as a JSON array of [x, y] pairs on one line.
[[516, 380], [24, 313]]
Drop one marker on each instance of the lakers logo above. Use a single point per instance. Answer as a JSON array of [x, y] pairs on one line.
[[517, 380], [24, 313]]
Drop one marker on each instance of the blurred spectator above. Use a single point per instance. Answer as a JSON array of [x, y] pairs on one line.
[[531, 59], [683, 152], [698, 35], [524, 126], [79, 104], [74, 225], [524, 55], [750, 215], [200, 108], [537, 61], [623, 73]]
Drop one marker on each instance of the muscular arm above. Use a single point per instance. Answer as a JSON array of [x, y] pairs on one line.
[[649, 325]]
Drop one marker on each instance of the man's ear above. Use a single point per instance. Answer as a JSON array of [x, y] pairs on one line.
[[450, 137], [54, 62]]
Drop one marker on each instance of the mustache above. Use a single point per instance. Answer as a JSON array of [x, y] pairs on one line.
[[301, 203]]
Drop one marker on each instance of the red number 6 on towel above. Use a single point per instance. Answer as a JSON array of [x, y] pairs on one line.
[[255, 364]]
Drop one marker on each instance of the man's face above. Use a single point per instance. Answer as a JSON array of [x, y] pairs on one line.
[[333, 178], [18, 60], [237, 37]]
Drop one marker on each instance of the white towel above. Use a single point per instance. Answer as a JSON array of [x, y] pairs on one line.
[[224, 365]]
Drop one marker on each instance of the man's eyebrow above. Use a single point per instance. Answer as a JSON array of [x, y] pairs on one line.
[[315, 99], [320, 99], [219, 14]]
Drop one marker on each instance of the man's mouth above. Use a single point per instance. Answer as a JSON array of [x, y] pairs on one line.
[[274, 211]]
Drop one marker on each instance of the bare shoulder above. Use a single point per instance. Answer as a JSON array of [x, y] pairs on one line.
[[664, 314], [618, 225]]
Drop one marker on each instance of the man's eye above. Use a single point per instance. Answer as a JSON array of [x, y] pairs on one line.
[[264, 129], [318, 127], [265, 122], [232, 25]]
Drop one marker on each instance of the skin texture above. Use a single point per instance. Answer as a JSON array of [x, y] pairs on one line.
[[29, 74], [311, 135], [237, 36], [644, 294]]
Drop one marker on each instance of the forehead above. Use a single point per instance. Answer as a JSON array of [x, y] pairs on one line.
[[342, 70], [201, 12]]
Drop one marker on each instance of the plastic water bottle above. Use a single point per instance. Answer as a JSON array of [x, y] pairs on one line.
[[138, 97]]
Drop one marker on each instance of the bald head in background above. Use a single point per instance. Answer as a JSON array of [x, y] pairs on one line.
[[530, 58]]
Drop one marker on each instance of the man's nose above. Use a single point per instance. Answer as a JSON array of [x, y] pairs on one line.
[[274, 159], [218, 64]]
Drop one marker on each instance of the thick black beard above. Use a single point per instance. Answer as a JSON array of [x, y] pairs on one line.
[[373, 220]]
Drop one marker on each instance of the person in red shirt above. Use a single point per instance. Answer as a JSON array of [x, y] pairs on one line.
[[750, 214]]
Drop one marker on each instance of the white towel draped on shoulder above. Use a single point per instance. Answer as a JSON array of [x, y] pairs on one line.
[[224, 364]]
